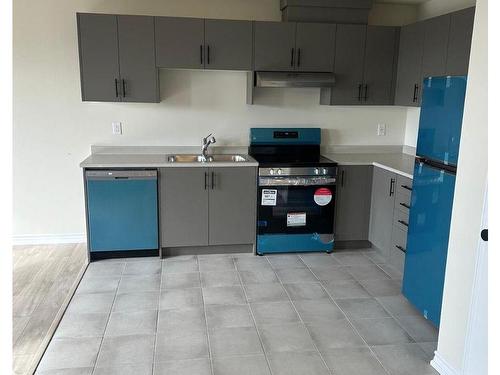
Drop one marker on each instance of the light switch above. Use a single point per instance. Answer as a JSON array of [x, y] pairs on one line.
[[381, 129], [117, 128]]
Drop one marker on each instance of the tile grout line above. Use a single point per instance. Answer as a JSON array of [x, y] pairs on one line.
[[210, 358], [157, 318], [253, 317], [349, 321], [297, 312]]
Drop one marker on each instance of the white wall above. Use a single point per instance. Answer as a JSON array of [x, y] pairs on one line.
[[468, 202], [433, 8], [53, 128]]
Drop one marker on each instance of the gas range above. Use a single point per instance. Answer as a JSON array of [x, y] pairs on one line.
[[297, 189]]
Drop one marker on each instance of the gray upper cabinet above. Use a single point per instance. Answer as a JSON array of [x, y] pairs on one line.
[[380, 64], [352, 207], [117, 58], [349, 63], [228, 45], [232, 202], [461, 25], [139, 76], [382, 207], [98, 48], [179, 42], [315, 47], [409, 72], [274, 46], [435, 46], [184, 206]]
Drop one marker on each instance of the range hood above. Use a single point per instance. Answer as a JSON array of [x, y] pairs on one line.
[[293, 79]]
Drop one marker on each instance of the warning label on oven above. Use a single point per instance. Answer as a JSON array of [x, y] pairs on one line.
[[296, 219], [269, 197], [322, 196]]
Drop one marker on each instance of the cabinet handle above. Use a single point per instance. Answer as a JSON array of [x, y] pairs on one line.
[[298, 57], [123, 88], [391, 187], [213, 180], [359, 91], [116, 87], [404, 205], [208, 55], [201, 54], [403, 222], [292, 56], [401, 248], [366, 92], [206, 180], [406, 187], [342, 179]]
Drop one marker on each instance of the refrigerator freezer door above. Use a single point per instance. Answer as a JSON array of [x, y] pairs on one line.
[[427, 244], [441, 118]]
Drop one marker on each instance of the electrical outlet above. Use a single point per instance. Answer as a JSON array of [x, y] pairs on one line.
[[116, 128], [381, 129]]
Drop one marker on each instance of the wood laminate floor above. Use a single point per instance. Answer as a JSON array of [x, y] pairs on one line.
[[44, 278]]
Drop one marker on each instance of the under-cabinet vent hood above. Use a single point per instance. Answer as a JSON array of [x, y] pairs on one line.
[[293, 79]]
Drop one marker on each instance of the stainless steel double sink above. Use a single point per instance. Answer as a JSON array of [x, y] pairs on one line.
[[193, 158]]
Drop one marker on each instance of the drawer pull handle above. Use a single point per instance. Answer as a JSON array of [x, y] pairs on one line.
[[404, 205], [406, 187], [403, 222], [401, 248]]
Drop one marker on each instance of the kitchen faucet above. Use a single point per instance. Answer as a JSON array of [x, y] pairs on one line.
[[205, 142]]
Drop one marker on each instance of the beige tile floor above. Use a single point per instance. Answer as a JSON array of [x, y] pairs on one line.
[[44, 276], [339, 314]]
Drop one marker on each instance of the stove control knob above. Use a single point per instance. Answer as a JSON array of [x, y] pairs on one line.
[[271, 172], [316, 170], [279, 171], [325, 171]]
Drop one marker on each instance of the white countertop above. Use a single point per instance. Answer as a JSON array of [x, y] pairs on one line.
[[399, 163], [152, 161]]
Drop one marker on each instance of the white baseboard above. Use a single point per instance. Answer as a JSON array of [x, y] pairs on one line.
[[42, 239], [443, 367]]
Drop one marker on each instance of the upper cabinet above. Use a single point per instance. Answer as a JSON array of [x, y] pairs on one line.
[[117, 58], [436, 31], [290, 46], [365, 62], [194, 43], [459, 41]]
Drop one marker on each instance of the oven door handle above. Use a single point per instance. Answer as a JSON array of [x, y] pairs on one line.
[[297, 181]]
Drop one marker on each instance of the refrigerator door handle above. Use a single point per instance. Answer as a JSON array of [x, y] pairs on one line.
[[437, 165]]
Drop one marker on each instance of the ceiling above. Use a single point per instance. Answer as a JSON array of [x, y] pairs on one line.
[[407, 2]]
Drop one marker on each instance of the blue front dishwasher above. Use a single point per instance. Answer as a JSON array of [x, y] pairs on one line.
[[122, 212]]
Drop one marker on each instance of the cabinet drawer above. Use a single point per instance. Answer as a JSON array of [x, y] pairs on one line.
[[402, 202], [401, 219], [397, 253], [403, 185]]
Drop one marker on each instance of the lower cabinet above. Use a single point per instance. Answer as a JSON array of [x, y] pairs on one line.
[[207, 206], [352, 215]]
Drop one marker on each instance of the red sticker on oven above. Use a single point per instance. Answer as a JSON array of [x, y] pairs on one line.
[[322, 196]]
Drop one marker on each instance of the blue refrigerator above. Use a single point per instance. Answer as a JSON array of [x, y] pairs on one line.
[[432, 196]]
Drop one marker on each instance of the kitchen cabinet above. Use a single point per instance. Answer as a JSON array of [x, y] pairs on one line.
[[117, 58], [290, 46], [365, 64], [232, 205], [382, 209], [409, 72], [459, 42], [436, 32], [352, 216], [207, 206]]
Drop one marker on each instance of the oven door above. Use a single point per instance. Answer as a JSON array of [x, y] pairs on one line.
[[295, 214]]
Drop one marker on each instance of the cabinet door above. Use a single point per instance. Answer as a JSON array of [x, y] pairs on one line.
[[349, 61], [435, 46], [274, 46], [352, 212], [408, 83], [179, 42], [228, 45], [461, 25], [380, 64], [315, 47], [184, 206], [232, 202], [138, 72], [382, 207], [98, 47]]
